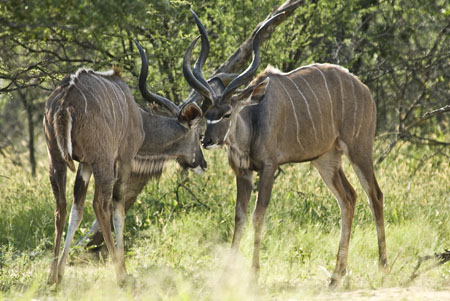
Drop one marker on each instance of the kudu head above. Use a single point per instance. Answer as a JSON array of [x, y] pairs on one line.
[[220, 106], [186, 147]]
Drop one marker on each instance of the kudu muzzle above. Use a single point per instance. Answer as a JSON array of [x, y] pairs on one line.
[[208, 141]]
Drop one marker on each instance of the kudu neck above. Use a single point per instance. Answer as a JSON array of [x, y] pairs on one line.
[[241, 128], [160, 133]]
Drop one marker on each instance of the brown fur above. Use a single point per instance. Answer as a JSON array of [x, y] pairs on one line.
[[92, 118], [314, 113]]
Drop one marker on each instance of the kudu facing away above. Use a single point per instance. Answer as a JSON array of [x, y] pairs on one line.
[[314, 113], [92, 118]]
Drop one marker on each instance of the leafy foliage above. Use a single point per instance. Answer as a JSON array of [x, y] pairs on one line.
[[400, 49]]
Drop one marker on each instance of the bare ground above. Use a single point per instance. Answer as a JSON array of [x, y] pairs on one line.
[[395, 293]]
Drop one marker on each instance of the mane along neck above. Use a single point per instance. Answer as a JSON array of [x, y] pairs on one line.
[[148, 166]]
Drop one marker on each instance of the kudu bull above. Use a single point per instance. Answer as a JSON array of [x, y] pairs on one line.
[[92, 118], [315, 113]]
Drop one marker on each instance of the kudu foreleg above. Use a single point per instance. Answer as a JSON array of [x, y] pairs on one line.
[[244, 191], [133, 188], [94, 236], [118, 218], [266, 179], [104, 181], [119, 223]]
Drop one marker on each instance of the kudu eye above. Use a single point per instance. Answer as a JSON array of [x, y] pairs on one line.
[[227, 115]]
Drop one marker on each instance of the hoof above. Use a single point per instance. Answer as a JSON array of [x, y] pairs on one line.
[[385, 269], [255, 275], [52, 279], [128, 282], [333, 283]]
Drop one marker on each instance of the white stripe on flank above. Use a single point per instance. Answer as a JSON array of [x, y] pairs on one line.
[[110, 83], [84, 97], [105, 95], [100, 102], [294, 111], [329, 95], [123, 93], [124, 99], [119, 103], [59, 94], [318, 104], [361, 120], [307, 107], [342, 97], [356, 105]]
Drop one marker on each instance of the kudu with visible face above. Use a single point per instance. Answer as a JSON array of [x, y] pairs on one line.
[[315, 113], [91, 117]]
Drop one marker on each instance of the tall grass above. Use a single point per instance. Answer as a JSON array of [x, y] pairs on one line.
[[179, 231]]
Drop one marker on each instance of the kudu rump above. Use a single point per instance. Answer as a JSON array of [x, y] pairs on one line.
[[314, 113], [91, 117]]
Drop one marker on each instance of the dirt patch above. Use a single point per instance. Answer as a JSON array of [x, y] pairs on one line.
[[395, 293]]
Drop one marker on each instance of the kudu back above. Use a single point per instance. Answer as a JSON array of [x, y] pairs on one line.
[[92, 118], [315, 113]]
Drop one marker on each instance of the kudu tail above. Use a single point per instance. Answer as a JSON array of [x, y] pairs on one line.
[[62, 123]]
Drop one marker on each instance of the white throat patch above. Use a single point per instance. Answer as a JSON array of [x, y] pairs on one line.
[[212, 146]]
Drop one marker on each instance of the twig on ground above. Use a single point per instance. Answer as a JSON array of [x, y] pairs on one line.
[[182, 185], [440, 257]]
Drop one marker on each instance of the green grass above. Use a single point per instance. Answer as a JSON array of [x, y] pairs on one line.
[[179, 232]]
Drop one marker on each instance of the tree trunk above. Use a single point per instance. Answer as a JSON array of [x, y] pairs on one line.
[[30, 125]]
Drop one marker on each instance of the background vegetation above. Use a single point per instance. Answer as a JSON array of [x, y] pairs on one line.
[[399, 48], [179, 233]]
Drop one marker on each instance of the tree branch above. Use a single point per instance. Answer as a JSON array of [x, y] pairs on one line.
[[405, 135], [427, 116], [423, 140], [243, 53], [236, 61]]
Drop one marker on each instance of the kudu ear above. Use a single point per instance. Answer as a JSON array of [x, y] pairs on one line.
[[190, 115], [256, 94], [260, 91]]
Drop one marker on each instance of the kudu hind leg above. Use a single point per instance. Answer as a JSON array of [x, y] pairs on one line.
[[364, 169], [58, 181], [104, 181], [329, 166], [76, 213]]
